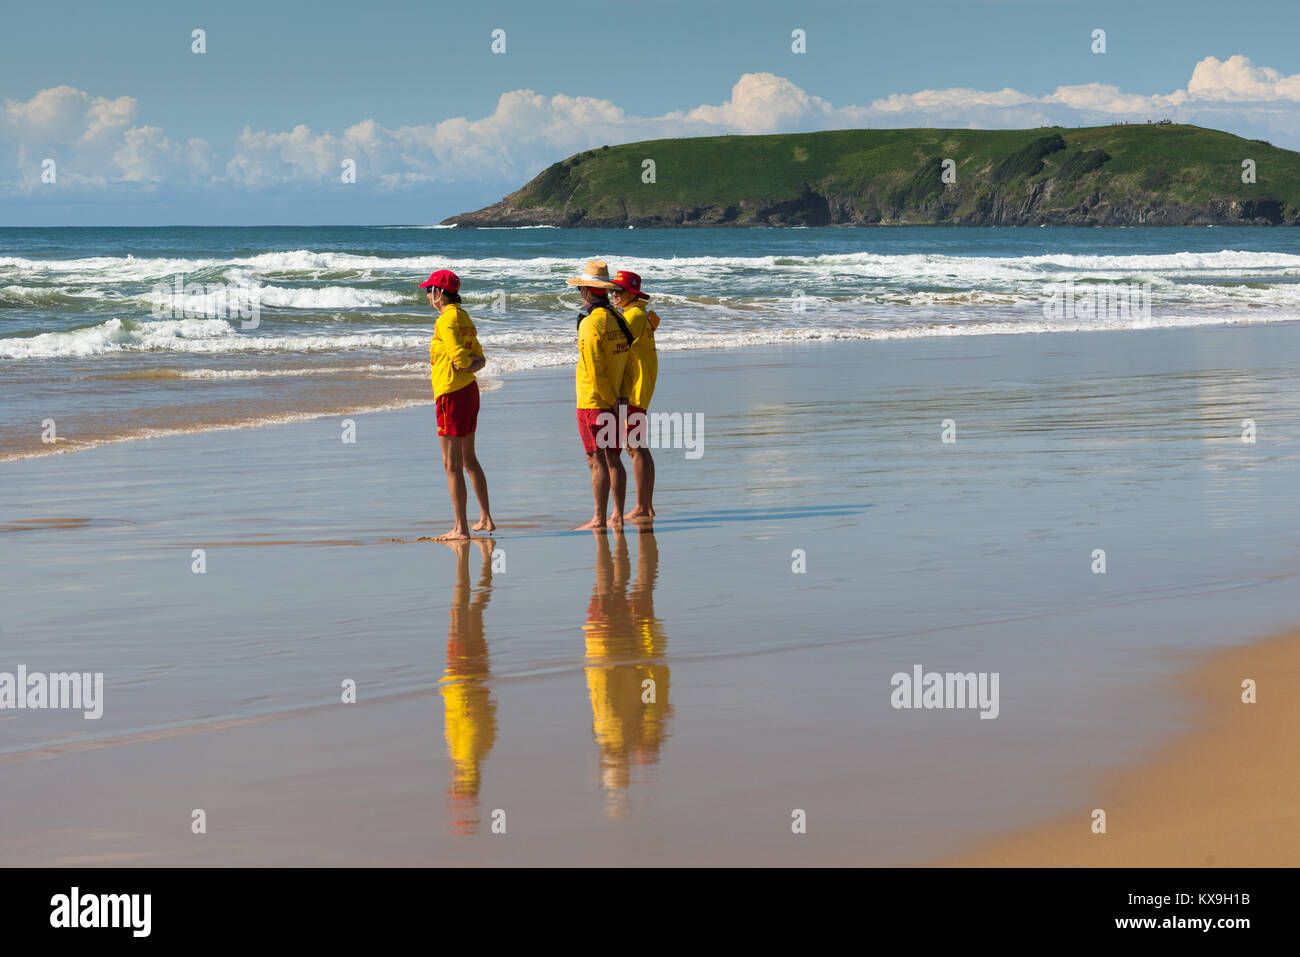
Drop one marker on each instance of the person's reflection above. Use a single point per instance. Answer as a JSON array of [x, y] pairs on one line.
[[470, 713], [626, 675]]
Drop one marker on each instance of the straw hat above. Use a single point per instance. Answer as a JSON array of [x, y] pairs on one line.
[[596, 274]]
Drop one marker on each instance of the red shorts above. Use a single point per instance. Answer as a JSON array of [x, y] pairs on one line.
[[637, 427], [599, 429], [458, 411]]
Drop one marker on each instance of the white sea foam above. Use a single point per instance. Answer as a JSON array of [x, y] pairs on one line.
[[115, 268], [523, 348], [712, 269], [192, 336], [405, 369], [46, 295], [216, 303]]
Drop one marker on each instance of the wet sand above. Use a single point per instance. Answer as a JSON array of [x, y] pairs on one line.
[[520, 687], [1221, 796], [172, 406]]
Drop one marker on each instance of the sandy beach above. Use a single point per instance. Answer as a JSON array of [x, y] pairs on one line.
[[1221, 796], [864, 441], [513, 691]]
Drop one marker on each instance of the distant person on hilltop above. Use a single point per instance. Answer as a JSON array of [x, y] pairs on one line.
[[454, 356], [638, 386], [603, 341]]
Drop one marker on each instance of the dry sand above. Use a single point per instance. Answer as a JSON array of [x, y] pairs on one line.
[[1226, 795]]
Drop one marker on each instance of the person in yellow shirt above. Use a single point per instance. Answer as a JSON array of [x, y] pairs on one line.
[[454, 356], [638, 386], [603, 341]]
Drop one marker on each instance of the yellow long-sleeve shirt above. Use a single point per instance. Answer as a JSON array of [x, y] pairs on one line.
[[602, 358], [642, 368], [453, 347]]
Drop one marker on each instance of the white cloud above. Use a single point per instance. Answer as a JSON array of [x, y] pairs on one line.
[[1233, 95], [1238, 79], [957, 98], [95, 142], [100, 142], [527, 130], [760, 103]]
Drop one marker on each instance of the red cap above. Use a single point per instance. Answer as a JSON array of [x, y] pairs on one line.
[[443, 279], [629, 281]]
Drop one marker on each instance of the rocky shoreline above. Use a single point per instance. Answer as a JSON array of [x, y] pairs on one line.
[[847, 211]]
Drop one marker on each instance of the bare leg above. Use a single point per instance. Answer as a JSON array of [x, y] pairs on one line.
[[617, 483], [453, 461], [643, 470], [599, 490], [479, 482]]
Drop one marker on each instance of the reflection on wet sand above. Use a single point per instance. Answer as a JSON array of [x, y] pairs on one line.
[[626, 676], [470, 713]]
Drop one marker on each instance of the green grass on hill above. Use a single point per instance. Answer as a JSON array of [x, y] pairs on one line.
[[874, 175]]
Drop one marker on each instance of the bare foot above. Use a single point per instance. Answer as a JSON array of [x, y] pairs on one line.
[[455, 535], [485, 524], [636, 513], [642, 519], [594, 523], [616, 521]]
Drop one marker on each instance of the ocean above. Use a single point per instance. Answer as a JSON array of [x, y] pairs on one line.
[[120, 333]]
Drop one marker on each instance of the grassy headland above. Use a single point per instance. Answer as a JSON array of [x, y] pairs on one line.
[[1156, 175]]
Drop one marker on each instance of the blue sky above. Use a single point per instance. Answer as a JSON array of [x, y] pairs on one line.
[[145, 131]]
